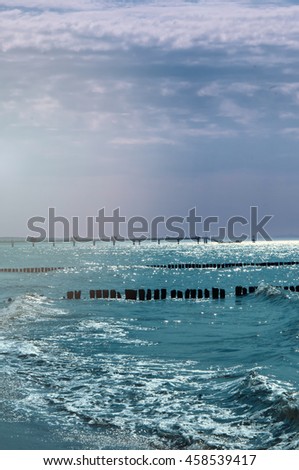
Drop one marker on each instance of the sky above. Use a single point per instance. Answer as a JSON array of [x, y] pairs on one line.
[[154, 107]]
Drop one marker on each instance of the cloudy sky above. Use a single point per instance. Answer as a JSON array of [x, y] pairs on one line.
[[151, 106]]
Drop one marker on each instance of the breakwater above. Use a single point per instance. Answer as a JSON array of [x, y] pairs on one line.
[[150, 294], [222, 265], [31, 270], [214, 293]]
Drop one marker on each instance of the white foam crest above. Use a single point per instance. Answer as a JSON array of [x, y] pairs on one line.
[[268, 290], [29, 306], [19, 348], [116, 331]]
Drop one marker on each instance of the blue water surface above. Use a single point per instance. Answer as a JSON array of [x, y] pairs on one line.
[[171, 374]]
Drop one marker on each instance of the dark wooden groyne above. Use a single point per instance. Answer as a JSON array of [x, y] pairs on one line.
[[104, 294], [164, 266], [214, 293], [31, 270], [151, 294], [222, 265], [241, 291], [73, 295]]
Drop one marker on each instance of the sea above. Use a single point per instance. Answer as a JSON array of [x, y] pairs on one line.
[[157, 374]]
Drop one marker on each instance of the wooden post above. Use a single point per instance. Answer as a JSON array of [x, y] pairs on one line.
[[131, 294], [106, 294], [207, 294], [157, 294], [193, 293], [238, 291], [141, 293], [215, 293], [113, 294], [222, 294], [77, 294]]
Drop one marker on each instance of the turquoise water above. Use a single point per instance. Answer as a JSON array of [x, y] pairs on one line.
[[172, 374]]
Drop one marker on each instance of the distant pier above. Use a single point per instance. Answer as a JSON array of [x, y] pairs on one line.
[[135, 240]]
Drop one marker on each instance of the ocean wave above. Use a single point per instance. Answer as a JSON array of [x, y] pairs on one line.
[[27, 306], [176, 375], [173, 405], [270, 403], [268, 291], [276, 293]]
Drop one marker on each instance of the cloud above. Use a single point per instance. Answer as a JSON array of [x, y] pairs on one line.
[[237, 113], [290, 89], [288, 115], [100, 26], [172, 88], [212, 89], [211, 131], [291, 131], [218, 88], [105, 100], [142, 141]]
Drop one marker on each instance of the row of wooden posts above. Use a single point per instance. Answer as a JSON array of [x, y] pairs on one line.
[[151, 294], [167, 266], [222, 265], [29, 270], [161, 294]]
